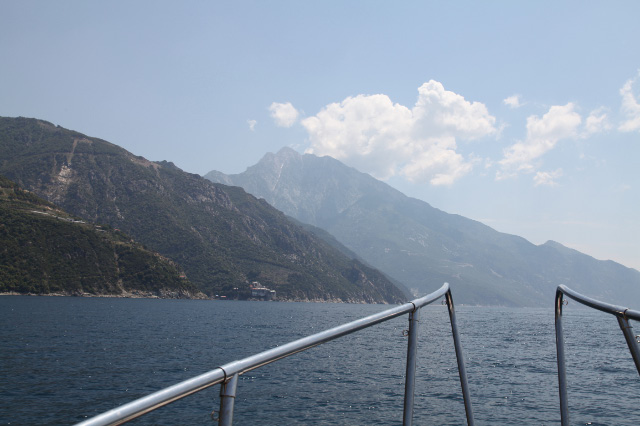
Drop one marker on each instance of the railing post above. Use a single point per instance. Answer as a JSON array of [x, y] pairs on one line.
[[410, 380], [460, 357], [227, 399], [630, 337], [227, 375], [562, 369]]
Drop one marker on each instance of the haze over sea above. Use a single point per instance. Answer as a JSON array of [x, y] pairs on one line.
[[65, 358]]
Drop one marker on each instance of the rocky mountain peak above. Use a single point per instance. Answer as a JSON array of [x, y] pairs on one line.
[[421, 246]]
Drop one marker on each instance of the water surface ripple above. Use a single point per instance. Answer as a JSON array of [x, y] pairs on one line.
[[63, 359]]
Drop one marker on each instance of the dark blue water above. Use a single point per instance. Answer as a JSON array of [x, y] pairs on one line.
[[62, 359]]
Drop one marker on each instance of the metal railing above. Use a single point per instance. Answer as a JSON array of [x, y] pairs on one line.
[[227, 375], [621, 313]]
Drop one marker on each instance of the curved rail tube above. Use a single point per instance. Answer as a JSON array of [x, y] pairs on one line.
[[621, 313], [228, 371]]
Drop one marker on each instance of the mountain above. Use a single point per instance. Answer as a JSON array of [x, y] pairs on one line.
[[222, 237], [333, 242], [44, 250], [422, 246]]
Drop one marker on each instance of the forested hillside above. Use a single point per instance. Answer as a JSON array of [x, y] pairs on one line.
[[221, 236], [44, 250]]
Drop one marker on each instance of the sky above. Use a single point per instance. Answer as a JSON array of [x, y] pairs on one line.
[[522, 115]]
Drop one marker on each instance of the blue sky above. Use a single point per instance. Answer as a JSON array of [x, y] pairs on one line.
[[523, 115]]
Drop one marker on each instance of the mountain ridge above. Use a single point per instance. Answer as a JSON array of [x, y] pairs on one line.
[[420, 245], [221, 236]]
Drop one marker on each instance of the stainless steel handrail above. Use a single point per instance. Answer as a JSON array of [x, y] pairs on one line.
[[227, 374], [621, 313]]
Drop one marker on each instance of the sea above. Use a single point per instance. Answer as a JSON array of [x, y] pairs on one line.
[[64, 359]]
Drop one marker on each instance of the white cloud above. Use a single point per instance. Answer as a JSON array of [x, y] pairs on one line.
[[547, 178], [447, 113], [513, 101], [630, 107], [596, 122], [375, 135], [252, 125], [440, 164], [543, 133], [284, 115]]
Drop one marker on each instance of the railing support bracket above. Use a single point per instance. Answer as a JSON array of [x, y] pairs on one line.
[[227, 400]]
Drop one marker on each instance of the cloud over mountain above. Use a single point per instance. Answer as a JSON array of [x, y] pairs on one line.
[[423, 142], [543, 133], [383, 138], [284, 114]]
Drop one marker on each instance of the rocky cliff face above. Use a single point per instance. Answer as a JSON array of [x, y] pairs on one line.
[[422, 246], [312, 189], [221, 236]]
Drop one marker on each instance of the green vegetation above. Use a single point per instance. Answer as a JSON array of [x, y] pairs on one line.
[[221, 236], [44, 250]]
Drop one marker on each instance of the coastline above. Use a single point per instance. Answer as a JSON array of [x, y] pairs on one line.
[[188, 296], [124, 295]]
